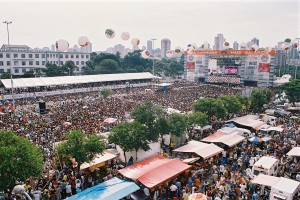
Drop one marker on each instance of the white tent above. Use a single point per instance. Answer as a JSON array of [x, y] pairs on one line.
[[265, 180], [98, 160], [294, 152]]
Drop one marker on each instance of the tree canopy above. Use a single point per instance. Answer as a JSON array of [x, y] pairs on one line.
[[231, 103], [19, 160], [105, 92], [197, 119], [259, 97], [211, 107], [292, 90]]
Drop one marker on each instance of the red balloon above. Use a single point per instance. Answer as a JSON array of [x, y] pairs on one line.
[[295, 45]]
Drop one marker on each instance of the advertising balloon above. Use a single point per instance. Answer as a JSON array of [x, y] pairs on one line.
[[83, 41], [170, 53], [226, 44], [295, 44], [145, 54], [285, 46], [243, 46], [135, 41], [287, 40], [206, 45], [268, 49], [254, 47], [125, 36], [191, 58], [62, 45], [190, 50], [178, 50], [109, 33]]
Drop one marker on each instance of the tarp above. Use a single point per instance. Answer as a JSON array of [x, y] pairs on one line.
[[278, 129], [231, 125], [230, 140], [190, 160], [266, 180], [155, 170], [202, 149], [112, 189], [98, 160], [294, 152], [248, 121]]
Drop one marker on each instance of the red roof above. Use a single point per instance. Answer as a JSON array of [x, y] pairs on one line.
[[155, 170]]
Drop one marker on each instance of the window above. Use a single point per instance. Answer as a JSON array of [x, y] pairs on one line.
[[8, 55], [29, 55], [16, 63], [16, 71], [8, 70], [72, 56], [1, 63], [77, 62], [30, 62], [43, 62], [87, 56], [23, 70], [22, 55], [1, 71], [67, 56], [37, 56], [82, 62], [77, 56], [47, 55], [1, 55], [50, 55], [61, 62], [23, 63], [43, 56], [8, 63], [61, 55], [15, 55], [82, 56], [37, 63]]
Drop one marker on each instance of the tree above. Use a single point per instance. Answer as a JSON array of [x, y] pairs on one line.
[[108, 66], [28, 74], [69, 67], [153, 117], [259, 97], [197, 118], [81, 147], [178, 124], [292, 90], [53, 70], [105, 92], [243, 100], [231, 103], [5, 76], [130, 137], [19, 160], [211, 107]]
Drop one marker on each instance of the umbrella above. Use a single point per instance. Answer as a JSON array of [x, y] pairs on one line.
[[294, 117], [254, 140]]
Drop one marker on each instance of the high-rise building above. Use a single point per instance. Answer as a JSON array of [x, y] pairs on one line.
[[149, 45], [165, 46], [294, 54], [255, 41], [219, 41], [235, 45]]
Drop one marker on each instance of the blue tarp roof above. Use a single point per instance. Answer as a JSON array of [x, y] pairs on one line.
[[112, 189], [231, 125]]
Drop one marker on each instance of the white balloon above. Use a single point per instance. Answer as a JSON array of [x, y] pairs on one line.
[[194, 45], [285, 46], [191, 58], [170, 53], [135, 41], [178, 50], [243, 45], [268, 49], [62, 45], [254, 47], [83, 41], [206, 45], [125, 36], [145, 54], [109, 33]]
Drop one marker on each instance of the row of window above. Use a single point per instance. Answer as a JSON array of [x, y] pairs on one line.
[[50, 55], [24, 63], [23, 70]]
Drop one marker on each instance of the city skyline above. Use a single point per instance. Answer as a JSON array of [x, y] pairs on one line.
[[183, 22]]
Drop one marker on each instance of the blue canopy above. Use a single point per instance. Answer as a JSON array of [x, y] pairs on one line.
[[112, 189], [255, 140], [231, 125]]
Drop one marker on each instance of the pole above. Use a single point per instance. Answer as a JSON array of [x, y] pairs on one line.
[[153, 39]]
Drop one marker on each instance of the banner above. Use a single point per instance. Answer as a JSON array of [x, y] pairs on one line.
[[264, 67], [230, 70], [190, 65], [231, 52]]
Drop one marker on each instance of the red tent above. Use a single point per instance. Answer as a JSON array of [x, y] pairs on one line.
[[155, 170]]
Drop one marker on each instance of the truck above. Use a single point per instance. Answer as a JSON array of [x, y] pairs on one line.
[[266, 165], [285, 189]]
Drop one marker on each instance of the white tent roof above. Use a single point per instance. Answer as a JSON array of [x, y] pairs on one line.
[[265, 180], [230, 139], [66, 80], [265, 162], [294, 152], [286, 185], [248, 120], [98, 159]]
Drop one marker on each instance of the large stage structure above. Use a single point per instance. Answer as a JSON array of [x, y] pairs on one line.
[[232, 67]]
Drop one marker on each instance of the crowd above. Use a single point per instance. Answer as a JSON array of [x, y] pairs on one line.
[[223, 177]]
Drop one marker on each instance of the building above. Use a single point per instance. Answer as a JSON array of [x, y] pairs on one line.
[[165, 46], [22, 58], [255, 41], [294, 54], [219, 41], [235, 45], [149, 45]]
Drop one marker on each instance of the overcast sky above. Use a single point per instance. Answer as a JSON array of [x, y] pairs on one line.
[[41, 23]]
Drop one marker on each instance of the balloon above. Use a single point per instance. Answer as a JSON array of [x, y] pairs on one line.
[[254, 47], [285, 46], [62, 45], [135, 41], [268, 49], [125, 36], [83, 41], [206, 45], [243, 45], [194, 45], [226, 44], [295, 44], [178, 50], [170, 53], [109, 33], [190, 50], [287, 40], [145, 54], [191, 58]]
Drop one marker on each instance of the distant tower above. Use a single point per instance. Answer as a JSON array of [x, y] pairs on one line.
[[255, 41], [165, 46], [235, 45], [149, 45], [219, 40]]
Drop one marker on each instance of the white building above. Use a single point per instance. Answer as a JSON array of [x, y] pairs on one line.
[[219, 41], [22, 58], [165, 46], [235, 45]]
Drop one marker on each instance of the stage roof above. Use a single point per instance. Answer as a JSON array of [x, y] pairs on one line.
[[155, 170], [68, 80], [112, 189]]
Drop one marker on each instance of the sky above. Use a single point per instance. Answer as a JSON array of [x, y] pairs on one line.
[[41, 23]]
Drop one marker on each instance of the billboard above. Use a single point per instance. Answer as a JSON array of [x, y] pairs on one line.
[[190, 65], [264, 67], [230, 70]]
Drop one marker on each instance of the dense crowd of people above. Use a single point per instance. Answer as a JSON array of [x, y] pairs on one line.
[[223, 177]]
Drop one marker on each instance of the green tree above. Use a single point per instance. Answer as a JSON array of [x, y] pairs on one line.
[[211, 107], [133, 62], [28, 74], [81, 147], [108, 66], [105, 92], [197, 118], [69, 68], [130, 137], [178, 124], [243, 100], [231, 103], [19, 160], [260, 97], [292, 90], [53, 70], [5, 76]]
